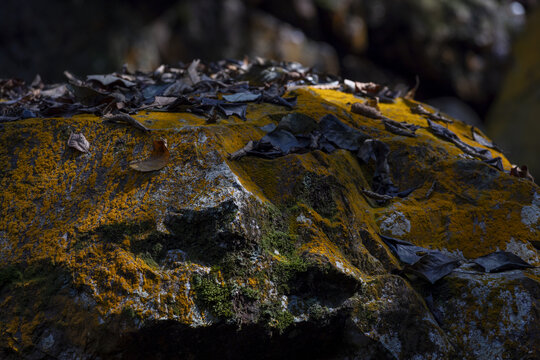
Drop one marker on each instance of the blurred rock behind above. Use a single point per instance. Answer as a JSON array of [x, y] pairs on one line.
[[459, 49]]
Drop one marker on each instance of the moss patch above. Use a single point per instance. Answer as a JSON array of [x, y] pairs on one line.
[[214, 296]]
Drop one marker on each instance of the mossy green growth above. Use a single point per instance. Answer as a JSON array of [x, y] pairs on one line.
[[286, 270], [274, 317], [278, 236], [278, 240], [212, 295], [251, 293]]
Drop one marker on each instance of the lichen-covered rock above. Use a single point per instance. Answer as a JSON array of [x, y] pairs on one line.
[[257, 258]]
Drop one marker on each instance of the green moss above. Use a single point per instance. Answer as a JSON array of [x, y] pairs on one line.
[[212, 295], [234, 264], [317, 312], [251, 293], [285, 271], [275, 318], [278, 240]]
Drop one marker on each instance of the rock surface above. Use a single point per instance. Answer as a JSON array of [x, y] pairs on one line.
[[257, 258]]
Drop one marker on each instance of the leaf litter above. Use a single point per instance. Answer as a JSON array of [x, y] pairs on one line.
[[433, 265], [158, 159], [78, 142]]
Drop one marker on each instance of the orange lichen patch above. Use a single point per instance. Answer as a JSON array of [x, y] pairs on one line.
[[321, 249]]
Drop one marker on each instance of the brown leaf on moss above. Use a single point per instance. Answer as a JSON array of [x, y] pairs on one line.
[[157, 160], [522, 172], [79, 142], [366, 110], [124, 118]]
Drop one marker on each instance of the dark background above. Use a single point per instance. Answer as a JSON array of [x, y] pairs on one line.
[[460, 49]]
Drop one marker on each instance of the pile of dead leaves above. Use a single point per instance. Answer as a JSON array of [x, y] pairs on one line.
[[222, 88]]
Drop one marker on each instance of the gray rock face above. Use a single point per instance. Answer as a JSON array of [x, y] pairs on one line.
[[258, 258]]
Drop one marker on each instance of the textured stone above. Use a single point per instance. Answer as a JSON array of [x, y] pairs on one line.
[[215, 257]]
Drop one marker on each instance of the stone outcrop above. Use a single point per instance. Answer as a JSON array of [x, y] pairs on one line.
[[254, 257]]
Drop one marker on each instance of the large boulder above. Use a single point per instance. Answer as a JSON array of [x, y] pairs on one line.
[[254, 257]]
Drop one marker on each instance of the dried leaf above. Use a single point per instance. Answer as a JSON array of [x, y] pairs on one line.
[[374, 195], [400, 128], [124, 118], [79, 142], [448, 135], [501, 261], [431, 265], [157, 160], [522, 172], [365, 110], [420, 110], [242, 97], [107, 80], [192, 71]]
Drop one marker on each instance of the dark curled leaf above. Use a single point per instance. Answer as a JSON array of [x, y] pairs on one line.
[[448, 135], [433, 266], [298, 123], [242, 97], [26, 114], [480, 139], [392, 126], [405, 193], [341, 135], [289, 102], [107, 80], [268, 127], [177, 88], [420, 110], [501, 261], [149, 91], [283, 140], [233, 109], [126, 119], [87, 95], [495, 162], [404, 250]]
